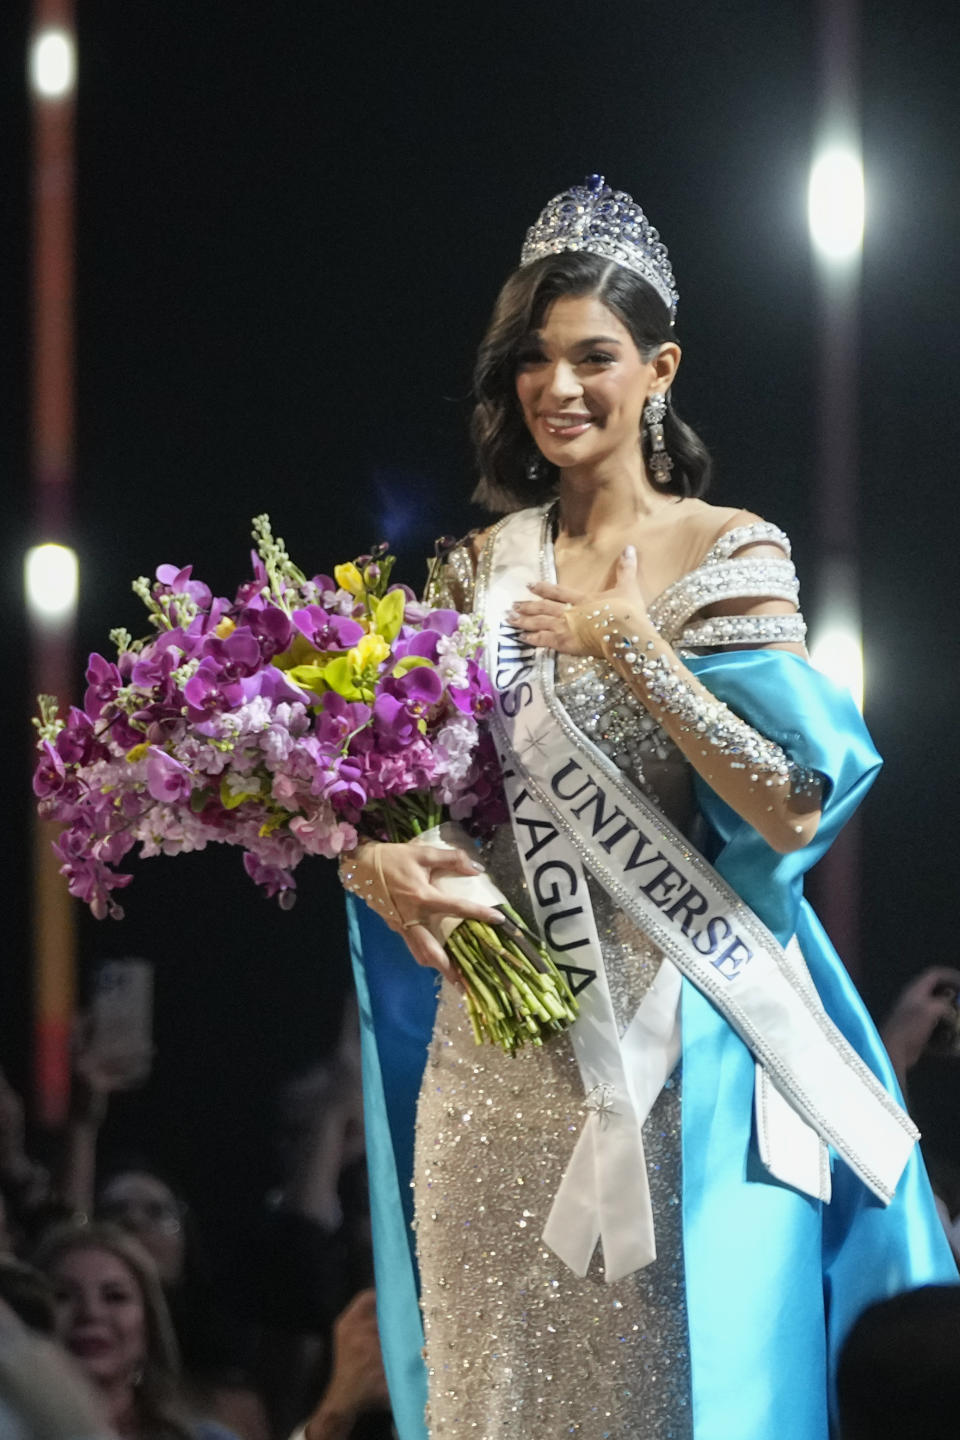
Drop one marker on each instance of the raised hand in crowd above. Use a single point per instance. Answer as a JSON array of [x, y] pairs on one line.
[[98, 1073], [105, 1070], [42, 1395], [357, 1382], [924, 1017], [25, 1187]]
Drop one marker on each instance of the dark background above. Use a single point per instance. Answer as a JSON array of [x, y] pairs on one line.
[[292, 221]]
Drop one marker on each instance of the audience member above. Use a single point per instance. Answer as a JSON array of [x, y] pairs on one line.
[[357, 1383], [42, 1395], [899, 1373], [29, 1201], [112, 1317], [29, 1294], [217, 1352], [309, 1255], [924, 1018], [136, 1197]]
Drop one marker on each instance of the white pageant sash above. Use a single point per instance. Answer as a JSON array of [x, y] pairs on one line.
[[561, 788]]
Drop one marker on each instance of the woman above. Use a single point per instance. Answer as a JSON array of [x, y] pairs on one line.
[[111, 1316], [215, 1349], [672, 767], [141, 1202]]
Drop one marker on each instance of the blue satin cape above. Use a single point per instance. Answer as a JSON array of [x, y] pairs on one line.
[[774, 1279]]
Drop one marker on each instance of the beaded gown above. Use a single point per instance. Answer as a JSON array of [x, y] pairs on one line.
[[517, 1345]]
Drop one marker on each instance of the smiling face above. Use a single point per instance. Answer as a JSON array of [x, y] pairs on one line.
[[582, 385], [100, 1314]]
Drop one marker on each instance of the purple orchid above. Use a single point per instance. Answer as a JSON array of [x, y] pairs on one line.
[[340, 718], [274, 880], [206, 693], [77, 743], [254, 588], [50, 774], [237, 655], [393, 721], [276, 686], [178, 582], [155, 667], [420, 687], [325, 631], [338, 780], [269, 624], [167, 780], [476, 697], [103, 682]]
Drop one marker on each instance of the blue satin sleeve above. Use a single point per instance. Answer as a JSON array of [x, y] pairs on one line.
[[397, 1000], [762, 1260]]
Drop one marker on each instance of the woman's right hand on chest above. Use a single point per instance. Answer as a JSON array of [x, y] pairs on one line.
[[398, 881]]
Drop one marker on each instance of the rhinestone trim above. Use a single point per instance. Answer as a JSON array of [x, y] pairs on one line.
[[744, 630], [609, 223]]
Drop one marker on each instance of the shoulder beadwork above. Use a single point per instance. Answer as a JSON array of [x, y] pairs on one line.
[[724, 574], [758, 532], [743, 630]]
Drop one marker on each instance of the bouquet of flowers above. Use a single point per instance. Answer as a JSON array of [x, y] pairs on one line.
[[299, 718]]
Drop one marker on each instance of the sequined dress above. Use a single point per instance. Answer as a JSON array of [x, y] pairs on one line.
[[517, 1345]]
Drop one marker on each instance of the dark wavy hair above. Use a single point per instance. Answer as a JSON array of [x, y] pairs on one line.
[[504, 449]]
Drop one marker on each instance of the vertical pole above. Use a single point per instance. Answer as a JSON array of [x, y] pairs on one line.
[[837, 879], [52, 90]]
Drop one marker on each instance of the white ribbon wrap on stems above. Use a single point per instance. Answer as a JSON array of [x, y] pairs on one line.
[[570, 807], [478, 888]]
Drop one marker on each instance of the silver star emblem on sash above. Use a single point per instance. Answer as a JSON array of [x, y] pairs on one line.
[[599, 1100], [536, 740]]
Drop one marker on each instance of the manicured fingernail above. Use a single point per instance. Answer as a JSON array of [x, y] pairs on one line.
[[475, 865], [630, 552], [495, 917]]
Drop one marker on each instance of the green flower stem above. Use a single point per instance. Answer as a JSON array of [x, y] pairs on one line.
[[515, 994], [462, 954]]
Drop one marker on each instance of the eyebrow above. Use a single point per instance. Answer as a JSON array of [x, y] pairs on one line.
[[593, 340]]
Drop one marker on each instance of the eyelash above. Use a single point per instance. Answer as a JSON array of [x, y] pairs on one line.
[[534, 357]]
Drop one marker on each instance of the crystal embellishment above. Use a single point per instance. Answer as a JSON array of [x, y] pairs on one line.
[[609, 223]]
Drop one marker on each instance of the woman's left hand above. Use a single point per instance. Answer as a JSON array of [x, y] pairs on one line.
[[562, 619]]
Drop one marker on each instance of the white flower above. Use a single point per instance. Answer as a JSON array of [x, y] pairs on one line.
[[254, 716], [451, 664], [239, 784], [454, 748]]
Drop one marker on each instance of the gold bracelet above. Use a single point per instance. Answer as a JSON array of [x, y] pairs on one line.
[[374, 891]]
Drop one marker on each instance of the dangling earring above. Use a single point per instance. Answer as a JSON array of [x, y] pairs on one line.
[[654, 414]]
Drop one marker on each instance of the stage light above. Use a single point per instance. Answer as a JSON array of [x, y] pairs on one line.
[[835, 203], [50, 582], [53, 63], [837, 652]]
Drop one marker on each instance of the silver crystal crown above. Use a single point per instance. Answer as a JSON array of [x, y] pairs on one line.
[[605, 222]]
